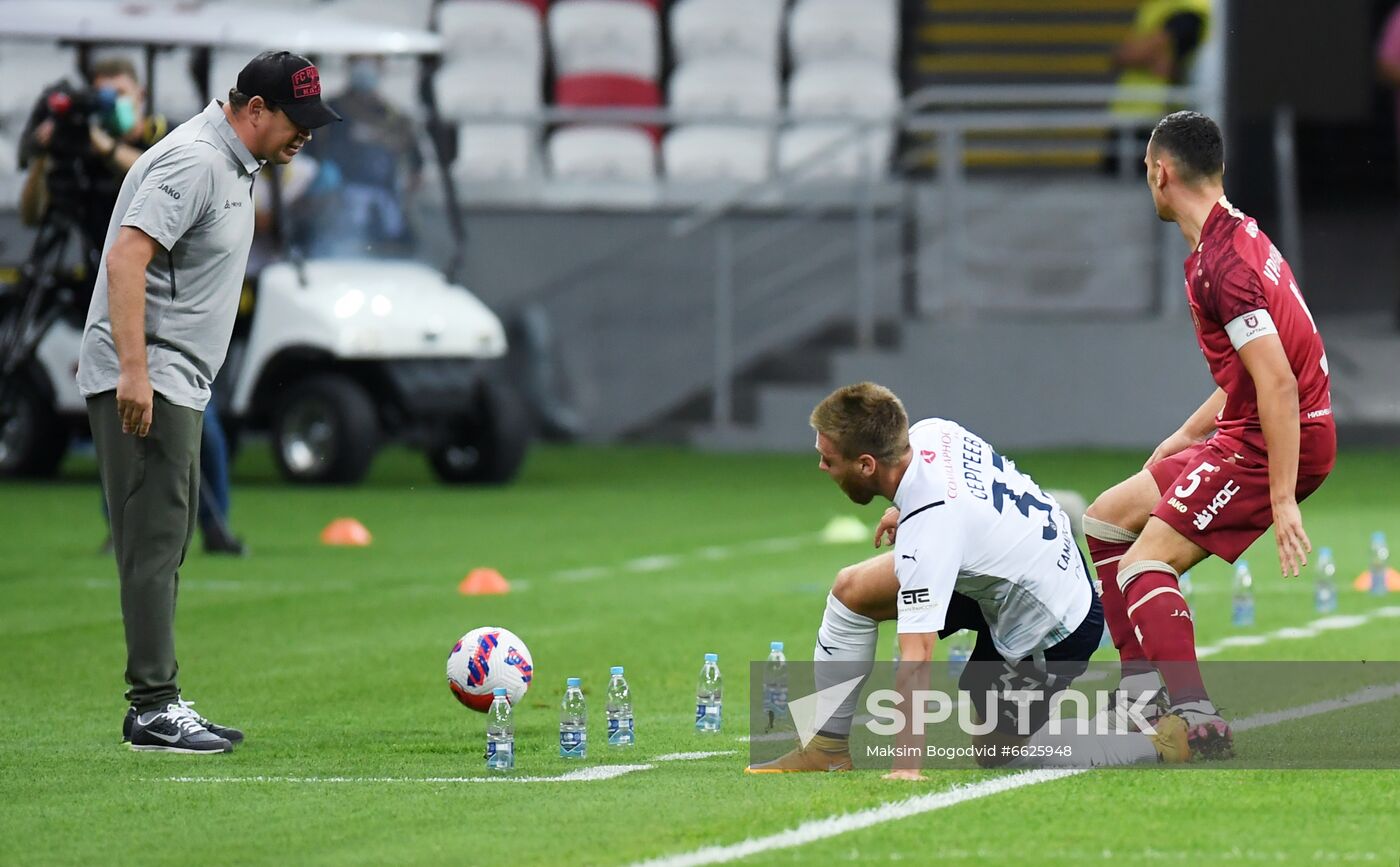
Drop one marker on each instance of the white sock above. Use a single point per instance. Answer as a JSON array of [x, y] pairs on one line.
[[849, 639], [1087, 750]]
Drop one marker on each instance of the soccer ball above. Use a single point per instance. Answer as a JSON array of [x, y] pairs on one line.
[[487, 658]]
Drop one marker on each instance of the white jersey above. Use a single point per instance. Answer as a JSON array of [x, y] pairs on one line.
[[971, 522]]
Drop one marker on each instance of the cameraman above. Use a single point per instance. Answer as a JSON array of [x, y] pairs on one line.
[[115, 145]]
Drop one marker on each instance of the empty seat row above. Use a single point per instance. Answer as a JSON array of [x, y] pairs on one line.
[[695, 153]]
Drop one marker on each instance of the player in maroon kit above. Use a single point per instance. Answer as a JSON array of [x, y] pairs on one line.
[[1258, 446]]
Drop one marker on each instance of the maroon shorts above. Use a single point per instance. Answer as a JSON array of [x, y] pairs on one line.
[[1217, 498]]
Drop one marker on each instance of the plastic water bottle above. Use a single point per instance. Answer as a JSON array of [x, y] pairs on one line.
[[1325, 591], [1185, 585], [500, 733], [775, 685], [573, 722], [1380, 563], [1242, 612], [959, 652], [708, 696], [621, 725]]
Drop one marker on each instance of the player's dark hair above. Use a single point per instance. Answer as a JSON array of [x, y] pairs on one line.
[[864, 419], [1195, 141]]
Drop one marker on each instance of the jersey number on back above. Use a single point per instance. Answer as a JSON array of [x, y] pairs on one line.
[[1024, 502]]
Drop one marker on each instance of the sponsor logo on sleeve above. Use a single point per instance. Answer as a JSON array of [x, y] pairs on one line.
[[169, 191], [915, 599]]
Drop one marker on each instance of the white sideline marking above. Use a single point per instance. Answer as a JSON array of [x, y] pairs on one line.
[[820, 829], [586, 573], [651, 564], [582, 775], [774, 736], [1242, 641], [1368, 695], [832, 826], [711, 553], [1311, 630], [686, 757]]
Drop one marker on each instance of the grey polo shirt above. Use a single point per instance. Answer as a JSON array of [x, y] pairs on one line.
[[193, 194]]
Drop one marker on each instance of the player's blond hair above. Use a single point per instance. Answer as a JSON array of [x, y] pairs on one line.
[[864, 419]]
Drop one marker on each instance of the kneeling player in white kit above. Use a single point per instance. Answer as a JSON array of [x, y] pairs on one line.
[[978, 546]]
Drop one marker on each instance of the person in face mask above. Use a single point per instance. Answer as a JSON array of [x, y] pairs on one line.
[[369, 167], [125, 133]]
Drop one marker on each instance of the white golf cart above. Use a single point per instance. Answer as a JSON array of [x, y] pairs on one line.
[[340, 355]]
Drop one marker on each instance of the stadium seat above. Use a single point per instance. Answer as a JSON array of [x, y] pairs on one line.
[[470, 87], [727, 28], [495, 152], [595, 36], [27, 70], [799, 145], [407, 14], [828, 30], [827, 92], [700, 153], [608, 91], [725, 86], [541, 7], [844, 88], [602, 153], [505, 30]]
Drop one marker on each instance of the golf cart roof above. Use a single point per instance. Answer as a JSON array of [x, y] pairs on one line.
[[208, 25]]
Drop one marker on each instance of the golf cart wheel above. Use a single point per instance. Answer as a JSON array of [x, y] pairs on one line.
[[488, 447], [324, 431], [33, 440]]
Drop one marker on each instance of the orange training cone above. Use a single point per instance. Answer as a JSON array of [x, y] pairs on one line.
[[345, 531], [1392, 581], [483, 582]]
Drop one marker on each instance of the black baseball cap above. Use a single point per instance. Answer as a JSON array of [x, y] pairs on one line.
[[291, 83]]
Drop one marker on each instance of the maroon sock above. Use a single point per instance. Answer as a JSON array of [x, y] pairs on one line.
[[1105, 556], [1160, 615]]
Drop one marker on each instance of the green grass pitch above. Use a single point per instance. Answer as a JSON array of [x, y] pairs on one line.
[[332, 660]]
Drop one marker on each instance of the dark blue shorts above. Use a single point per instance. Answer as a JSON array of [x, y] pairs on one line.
[[1049, 672]]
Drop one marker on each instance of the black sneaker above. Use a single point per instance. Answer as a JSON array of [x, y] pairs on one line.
[[175, 729], [232, 735], [217, 540]]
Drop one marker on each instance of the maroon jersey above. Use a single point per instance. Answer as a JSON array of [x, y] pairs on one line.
[[1240, 289]]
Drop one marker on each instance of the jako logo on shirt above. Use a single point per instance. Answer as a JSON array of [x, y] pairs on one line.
[[306, 82], [165, 188]]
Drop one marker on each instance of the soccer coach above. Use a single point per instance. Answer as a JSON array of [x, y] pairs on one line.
[[156, 335]]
